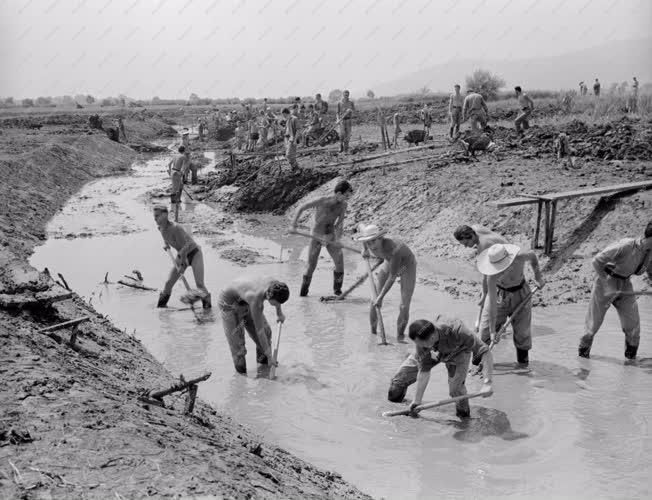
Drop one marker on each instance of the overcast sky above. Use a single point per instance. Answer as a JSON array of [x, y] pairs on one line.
[[222, 48]]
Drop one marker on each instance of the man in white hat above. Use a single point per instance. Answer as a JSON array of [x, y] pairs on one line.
[[185, 137], [503, 265], [614, 267], [329, 224], [399, 262]]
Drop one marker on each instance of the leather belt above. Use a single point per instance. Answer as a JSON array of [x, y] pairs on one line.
[[512, 288]]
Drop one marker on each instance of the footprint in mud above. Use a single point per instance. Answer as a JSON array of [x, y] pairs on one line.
[[484, 422], [300, 373]]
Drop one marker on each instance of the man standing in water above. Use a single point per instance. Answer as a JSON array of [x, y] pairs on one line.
[[188, 254], [329, 223], [503, 266], [399, 262], [614, 267], [178, 168], [446, 341], [241, 305]]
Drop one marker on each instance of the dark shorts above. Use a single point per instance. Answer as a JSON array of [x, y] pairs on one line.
[[191, 255]]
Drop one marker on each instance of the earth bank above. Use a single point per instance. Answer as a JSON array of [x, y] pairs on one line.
[[71, 421]]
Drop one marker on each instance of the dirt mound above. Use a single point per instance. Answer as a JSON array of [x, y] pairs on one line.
[[625, 139]]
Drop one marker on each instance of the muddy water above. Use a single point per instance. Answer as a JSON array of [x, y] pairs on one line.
[[566, 429]]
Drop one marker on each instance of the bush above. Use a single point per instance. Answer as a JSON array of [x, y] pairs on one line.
[[485, 83], [27, 103], [334, 95]]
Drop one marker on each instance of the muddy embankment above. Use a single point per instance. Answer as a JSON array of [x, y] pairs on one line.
[[423, 202], [71, 424]]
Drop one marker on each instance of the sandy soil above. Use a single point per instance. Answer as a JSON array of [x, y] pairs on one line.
[[71, 423]]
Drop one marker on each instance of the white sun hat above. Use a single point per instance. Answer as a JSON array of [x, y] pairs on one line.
[[184, 131], [496, 258], [369, 232]]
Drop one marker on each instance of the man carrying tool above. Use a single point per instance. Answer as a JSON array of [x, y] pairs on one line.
[[614, 266], [455, 112], [448, 341], [329, 224], [399, 262], [241, 305], [345, 109], [291, 131], [503, 266], [178, 168], [188, 254], [475, 109], [526, 104]]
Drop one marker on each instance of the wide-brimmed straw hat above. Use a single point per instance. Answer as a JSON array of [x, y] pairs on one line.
[[184, 131], [370, 232], [496, 258]]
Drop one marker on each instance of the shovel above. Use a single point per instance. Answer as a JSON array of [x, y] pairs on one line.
[[355, 285], [438, 403], [374, 294], [192, 295], [272, 370], [324, 241]]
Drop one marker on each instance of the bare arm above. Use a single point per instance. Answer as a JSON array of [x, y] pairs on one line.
[[422, 383], [339, 222], [256, 308], [491, 305], [534, 263]]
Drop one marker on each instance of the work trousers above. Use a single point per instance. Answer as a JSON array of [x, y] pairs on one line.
[[521, 121], [603, 296], [456, 120], [345, 134], [478, 119], [235, 320], [291, 152], [521, 323], [457, 368]]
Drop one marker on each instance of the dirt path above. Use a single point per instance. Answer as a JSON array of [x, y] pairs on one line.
[[71, 424]]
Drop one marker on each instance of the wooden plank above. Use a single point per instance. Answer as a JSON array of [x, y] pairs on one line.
[[600, 190], [65, 324], [512, 202], [546, 226]]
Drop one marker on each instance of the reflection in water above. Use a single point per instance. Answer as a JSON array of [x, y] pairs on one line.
[[484, 422], [581, 428]]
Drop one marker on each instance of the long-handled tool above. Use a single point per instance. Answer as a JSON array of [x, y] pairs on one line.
[[477, 321], [438, 403], [324, 241], [355, 285], [632, 292], [374, 295], [272, 370], [511, 317]]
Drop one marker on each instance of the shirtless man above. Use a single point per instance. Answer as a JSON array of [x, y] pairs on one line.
[[241, 306], [188, 254], [481, 238], [178, 168], [396, 121], [475, 109], [291, 132], [399, 261], [455, 112], [263, 129], [503, 265], [446, 341], [526, 104], [345, 109], [329, 224]]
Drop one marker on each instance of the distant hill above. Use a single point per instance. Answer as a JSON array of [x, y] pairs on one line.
[[612, 62]]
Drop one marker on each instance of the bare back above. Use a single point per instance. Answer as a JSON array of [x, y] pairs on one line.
[[487, 238], [247, 289]]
